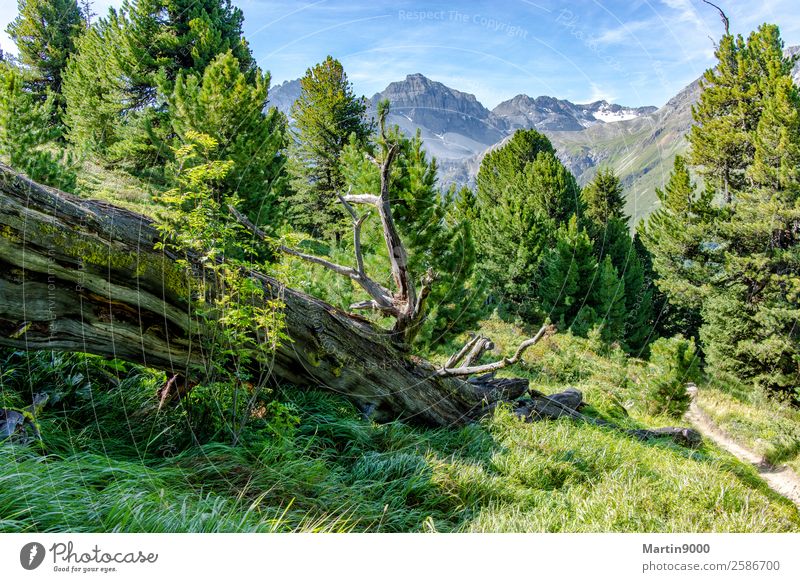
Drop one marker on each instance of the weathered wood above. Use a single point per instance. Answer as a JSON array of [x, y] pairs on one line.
[[478, 347], [82, 275]]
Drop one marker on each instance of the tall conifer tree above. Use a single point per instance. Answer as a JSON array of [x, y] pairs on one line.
[[524, 193], [45, 32], [226, 105], [325, 115]]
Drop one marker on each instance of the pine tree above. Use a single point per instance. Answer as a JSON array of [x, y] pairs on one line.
[[325, 115], [727, 324], [607, 223], [135, 55], [464, 203], [26, 135], [729, 108], [225, 105], [94, 91], [163, 38], [674, 363], [45, 32], [568, 271], [759, 287], [676, 236], [604, 198], [737, 263], [609, 300], [501, 166], [524, 193]]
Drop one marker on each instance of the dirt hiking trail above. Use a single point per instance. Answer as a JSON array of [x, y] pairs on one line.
[[780, 478]]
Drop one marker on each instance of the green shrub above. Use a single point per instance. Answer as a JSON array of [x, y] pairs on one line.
[[27, 136], [673, 363]]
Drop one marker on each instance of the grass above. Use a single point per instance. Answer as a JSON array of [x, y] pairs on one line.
[[112, 461], [121, 188], [767, 427]]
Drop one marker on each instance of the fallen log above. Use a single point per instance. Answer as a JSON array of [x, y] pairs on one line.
[[86, 276]]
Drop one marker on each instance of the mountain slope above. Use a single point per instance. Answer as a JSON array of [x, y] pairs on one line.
[[549, 113], [454, 124], [284, 95], [641, 151], [456, 127]]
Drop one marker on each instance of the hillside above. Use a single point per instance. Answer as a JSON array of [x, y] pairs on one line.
[[116, 462], [114, 459], [640, 151]]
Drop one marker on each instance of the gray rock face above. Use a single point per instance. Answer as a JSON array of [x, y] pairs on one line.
[[284, 95], [440, 109], [548, 113]]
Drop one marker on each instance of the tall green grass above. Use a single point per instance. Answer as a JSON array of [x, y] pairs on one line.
[[112, 461]]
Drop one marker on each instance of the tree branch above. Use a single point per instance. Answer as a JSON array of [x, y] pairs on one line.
[[394, 245], [361, 199], [477, 351], [424, 291], [494, 366], [725, 21], [456, 358], [381, 295], [357, 222]]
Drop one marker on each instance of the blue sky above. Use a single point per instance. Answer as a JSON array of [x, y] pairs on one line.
[[627, 51]]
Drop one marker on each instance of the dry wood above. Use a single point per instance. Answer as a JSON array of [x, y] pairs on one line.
[[86, 276], [469, 370]]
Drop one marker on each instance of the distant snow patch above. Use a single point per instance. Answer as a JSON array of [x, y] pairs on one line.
[[611, 117]]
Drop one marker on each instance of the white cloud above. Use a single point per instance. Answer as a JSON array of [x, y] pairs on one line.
[[685, 12], [598, 94]]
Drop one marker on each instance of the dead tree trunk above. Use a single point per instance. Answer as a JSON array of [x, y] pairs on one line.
[[80, 275]]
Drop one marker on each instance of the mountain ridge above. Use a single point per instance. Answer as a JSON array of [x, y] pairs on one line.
[[639, 143]]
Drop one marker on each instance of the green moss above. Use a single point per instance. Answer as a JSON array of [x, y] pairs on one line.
[[144, 265], [313, 359], [9, 233]]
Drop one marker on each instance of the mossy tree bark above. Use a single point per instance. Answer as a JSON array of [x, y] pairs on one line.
[[86, 276]]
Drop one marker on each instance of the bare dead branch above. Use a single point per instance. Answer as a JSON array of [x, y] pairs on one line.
[[357, 222], [369, 304], [361, 199], [382, 297], [494, 366], [405, 304], [394, 245], [725, 20], [247, 223], [357, 244], [336, 268], [424, 291], [454, 360], [477, 351], [372, 159], [408, 304], [347, 205]]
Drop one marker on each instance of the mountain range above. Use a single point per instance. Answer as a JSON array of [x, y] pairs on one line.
[[639, 143]]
